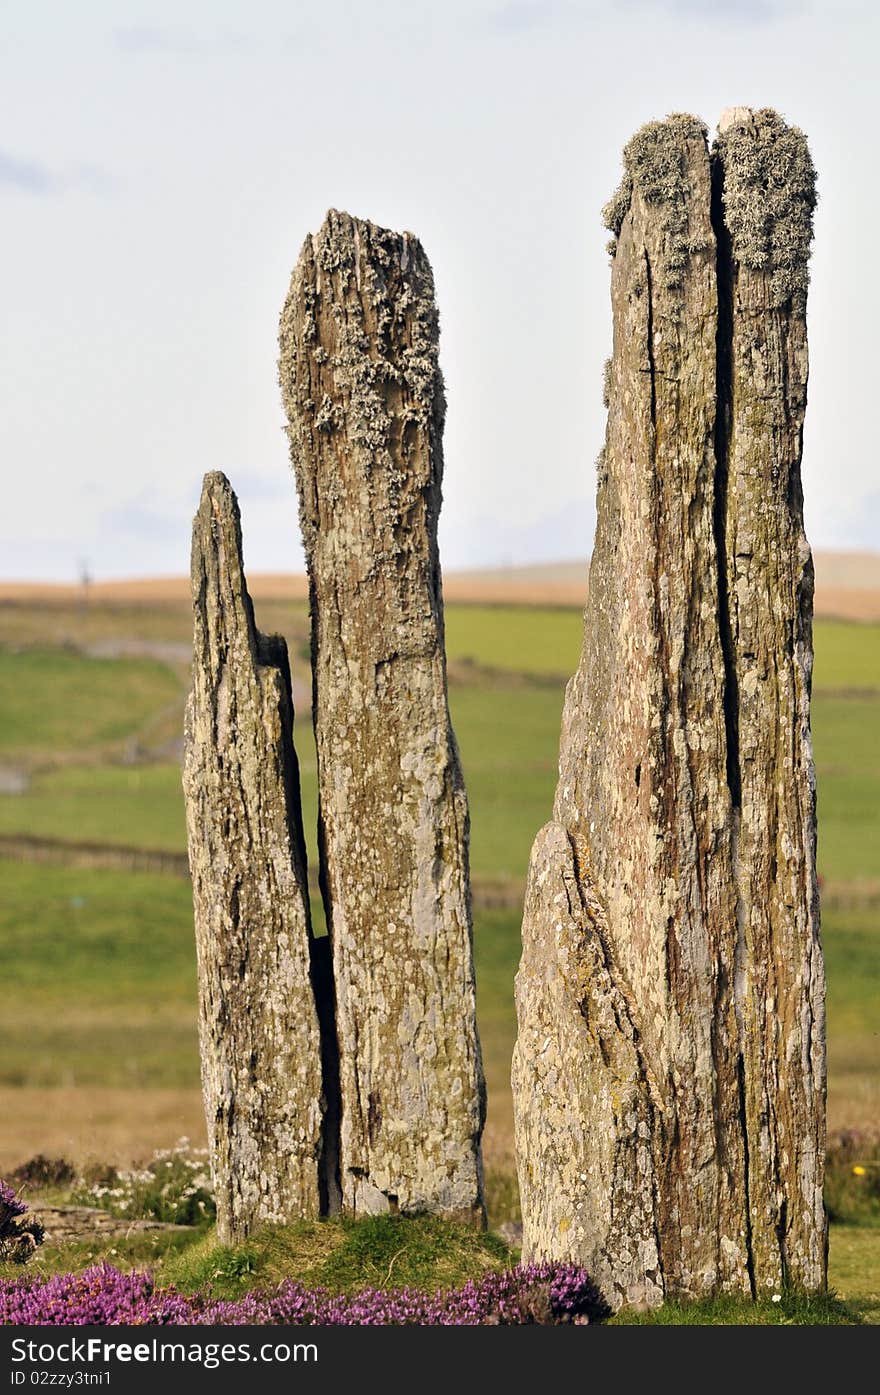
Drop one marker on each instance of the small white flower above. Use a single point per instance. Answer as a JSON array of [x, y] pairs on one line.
[[777, 1298]]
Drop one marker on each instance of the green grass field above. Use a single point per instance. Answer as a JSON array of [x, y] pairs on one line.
[[65, 708], [56, 702], [99, 965], [516, 639]]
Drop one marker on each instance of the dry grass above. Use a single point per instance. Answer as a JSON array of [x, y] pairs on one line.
[[853, 1091], [147, 591], [90, 1123], [95, 1124], [847, 587], [847, 603]]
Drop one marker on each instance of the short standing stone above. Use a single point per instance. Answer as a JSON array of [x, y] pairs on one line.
[[260, 1044]]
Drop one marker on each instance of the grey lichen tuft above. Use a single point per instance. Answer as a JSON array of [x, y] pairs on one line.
[[654, 163], [394, 285], [769, 195], [606, 383], [617, 207]]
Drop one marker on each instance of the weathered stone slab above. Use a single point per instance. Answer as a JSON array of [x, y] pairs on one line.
[[258, 1022], [364, 397], [765, 181], [587, 1110], [659, 888]]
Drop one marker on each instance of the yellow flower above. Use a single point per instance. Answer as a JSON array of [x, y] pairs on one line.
[[859, 1171]]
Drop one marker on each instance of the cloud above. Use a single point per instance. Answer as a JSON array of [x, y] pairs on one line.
[[528, 16], [146, 39], [90, 179], [746, 11], [136, 538], [565, 534], [523, 16], [139, 520], [258, 487], [27, 175], [33, 177], [848, 526]]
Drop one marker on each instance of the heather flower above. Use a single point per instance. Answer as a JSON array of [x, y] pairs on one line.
[[10, 1204], [102, 1296], [18, 1238]]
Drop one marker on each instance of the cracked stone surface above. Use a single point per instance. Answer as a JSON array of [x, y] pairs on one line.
[[364, 398], [669, 1069], [258, 1020]]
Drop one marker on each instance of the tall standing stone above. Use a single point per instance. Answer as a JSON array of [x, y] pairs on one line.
[[258, 1023], [650, 1020], [364, 397], [765, 184]]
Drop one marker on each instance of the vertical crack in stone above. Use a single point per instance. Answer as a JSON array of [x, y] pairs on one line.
[[325, 1002], [723, 425], [766, 183], [686, 785], [747, 1215], [723, 422], [652, 366]]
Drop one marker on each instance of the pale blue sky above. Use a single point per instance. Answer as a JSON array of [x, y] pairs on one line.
[[161, 163]]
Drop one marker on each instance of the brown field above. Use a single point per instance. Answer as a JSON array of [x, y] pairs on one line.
[[847, 587], [88, 1123], [841, 603], [95, 1124], [146, 591]]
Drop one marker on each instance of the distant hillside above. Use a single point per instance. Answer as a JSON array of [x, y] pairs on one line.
[[847, 587]]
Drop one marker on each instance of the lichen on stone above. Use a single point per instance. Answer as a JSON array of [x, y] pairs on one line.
[[617, 207], [606, 383], [669, 1086], [655, 164], [365, 404], [769, 195], [258, 1013]]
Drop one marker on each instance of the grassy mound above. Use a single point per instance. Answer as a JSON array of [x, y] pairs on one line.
[[342, 1256]]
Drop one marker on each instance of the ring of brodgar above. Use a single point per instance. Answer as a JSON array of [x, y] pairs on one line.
[[669, 1072], [418, 915]]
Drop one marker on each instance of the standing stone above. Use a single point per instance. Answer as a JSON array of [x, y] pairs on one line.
[[364, 397], [258, 1024], [640, 1048], [641, 833], [766, 182]]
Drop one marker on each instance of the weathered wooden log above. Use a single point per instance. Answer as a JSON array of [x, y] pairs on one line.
[[644, 1067], [364, 398], [258, 1022]]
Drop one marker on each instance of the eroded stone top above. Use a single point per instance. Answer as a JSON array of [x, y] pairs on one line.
[[733, 116]]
